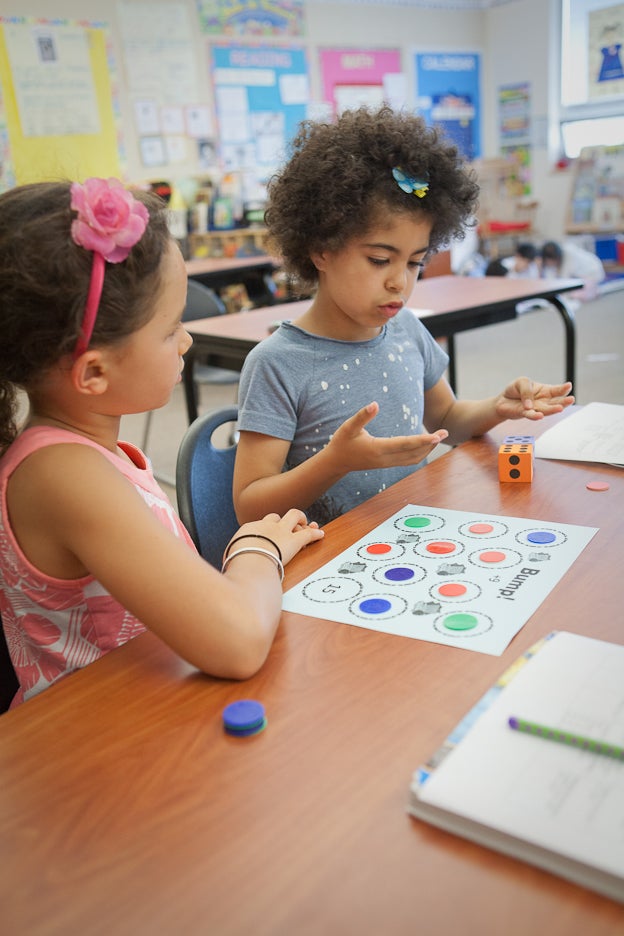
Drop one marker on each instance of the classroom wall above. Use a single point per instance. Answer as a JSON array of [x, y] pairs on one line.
[[516, 42], [522, 40]]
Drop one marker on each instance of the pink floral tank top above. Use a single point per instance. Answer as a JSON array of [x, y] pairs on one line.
[[54, 626]]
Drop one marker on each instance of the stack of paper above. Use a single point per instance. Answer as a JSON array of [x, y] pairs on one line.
[[595, 433]]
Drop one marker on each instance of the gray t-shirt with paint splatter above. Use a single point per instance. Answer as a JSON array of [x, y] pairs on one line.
[[301, 387]]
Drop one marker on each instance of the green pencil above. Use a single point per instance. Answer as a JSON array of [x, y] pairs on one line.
[[567, 737]]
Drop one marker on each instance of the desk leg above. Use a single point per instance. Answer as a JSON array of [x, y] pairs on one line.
[[190, 393], [450, 349], [569, 324]]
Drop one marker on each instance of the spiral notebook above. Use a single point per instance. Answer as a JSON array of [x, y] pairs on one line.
[[554, 805]]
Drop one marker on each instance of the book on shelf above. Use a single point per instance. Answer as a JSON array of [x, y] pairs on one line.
[[551, 793]]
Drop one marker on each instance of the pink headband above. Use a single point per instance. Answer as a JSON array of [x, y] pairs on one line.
[[110, 222]]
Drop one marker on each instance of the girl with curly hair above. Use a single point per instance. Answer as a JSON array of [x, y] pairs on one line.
[[351, 396]]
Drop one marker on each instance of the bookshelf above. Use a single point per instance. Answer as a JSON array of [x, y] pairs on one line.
[[597, 197], [506, 215], [233, 242]]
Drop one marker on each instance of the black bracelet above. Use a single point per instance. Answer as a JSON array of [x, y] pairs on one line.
[[253, 536]]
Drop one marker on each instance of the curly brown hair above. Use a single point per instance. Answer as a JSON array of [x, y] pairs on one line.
[[44, 281], [338, 182]]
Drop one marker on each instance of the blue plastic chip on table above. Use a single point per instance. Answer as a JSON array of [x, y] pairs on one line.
[[244, 717]]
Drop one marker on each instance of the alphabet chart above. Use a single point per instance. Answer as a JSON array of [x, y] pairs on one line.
[[467, 580]]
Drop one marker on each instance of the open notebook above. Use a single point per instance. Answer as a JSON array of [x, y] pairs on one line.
[[554, 805]]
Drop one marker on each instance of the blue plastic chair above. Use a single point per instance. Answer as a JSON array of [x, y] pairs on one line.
[[204, 476], [203, 302]]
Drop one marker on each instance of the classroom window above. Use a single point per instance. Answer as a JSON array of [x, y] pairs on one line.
[[598, 131]]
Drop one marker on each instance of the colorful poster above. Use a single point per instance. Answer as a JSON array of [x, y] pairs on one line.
[[7, 170], [354, 77], [514, 113], [252, 17], [53, 79], [605, 52], [262, 95], [448, 95], [60, 115], [520, 156]]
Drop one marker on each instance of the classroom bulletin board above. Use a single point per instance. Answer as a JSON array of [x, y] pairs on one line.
[[173, 125], [261, 94], [60, 117], [353, 77]]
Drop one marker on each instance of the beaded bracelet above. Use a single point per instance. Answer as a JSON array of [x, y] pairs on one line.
[[253, 536], [260, 552]]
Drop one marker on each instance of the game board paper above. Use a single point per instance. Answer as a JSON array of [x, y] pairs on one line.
[[467, 580]]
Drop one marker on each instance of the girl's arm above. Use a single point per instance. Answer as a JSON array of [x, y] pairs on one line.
[[464, 419], [261, 485], [74, 514]]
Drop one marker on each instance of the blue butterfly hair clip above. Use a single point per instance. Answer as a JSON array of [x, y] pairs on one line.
[[410, 185]]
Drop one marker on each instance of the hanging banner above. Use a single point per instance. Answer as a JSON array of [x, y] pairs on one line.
[[255, 18]]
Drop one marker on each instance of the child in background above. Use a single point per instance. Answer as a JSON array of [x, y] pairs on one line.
[[496, 268], [523, 264], [92, 290], [333, 407], [570, 261]]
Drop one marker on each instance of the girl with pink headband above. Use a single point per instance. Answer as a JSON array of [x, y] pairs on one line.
[[92, 291]]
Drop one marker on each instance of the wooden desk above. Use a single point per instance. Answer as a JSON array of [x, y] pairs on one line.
[[125, 809], [446, 304]]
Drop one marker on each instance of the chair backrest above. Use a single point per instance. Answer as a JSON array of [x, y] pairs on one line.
[[204, 476], [8, 680], [201, 302]]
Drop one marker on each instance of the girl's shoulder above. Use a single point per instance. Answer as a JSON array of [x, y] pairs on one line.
[[54, 455], [32, 440], [44, 458], [287, 348], [37, 438]]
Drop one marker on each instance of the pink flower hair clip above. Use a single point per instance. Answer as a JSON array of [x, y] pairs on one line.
[[110, 222]]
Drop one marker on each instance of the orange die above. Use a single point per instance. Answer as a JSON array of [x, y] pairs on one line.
[[515, 462]]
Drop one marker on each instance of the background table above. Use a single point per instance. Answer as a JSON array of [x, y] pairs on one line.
[[125, 809], [254, 272], [447, 305]]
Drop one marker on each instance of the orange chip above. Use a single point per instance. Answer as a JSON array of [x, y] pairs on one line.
[[597, 486]]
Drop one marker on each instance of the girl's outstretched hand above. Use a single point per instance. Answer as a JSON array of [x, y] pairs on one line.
[[290, 533], [525, 398], [357, 450]]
